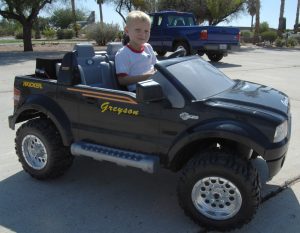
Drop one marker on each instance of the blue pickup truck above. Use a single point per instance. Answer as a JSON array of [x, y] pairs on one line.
[[171, 30]]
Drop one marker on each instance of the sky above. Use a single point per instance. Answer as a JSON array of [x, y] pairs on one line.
[[269, 13]]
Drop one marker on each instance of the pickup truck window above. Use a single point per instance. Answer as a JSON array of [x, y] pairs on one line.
[[156, 23], [175, 20], [200, 78]]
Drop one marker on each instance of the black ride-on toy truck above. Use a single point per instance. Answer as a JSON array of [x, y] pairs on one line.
[[188, 118]]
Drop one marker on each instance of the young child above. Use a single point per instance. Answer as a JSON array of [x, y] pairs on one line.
[[135, 61]]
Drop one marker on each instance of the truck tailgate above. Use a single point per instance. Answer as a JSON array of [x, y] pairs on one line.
[[220, 35]]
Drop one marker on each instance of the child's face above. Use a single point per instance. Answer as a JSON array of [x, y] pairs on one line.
[[138, 32]]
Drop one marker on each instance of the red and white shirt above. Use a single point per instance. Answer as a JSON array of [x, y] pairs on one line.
[[131, 62]]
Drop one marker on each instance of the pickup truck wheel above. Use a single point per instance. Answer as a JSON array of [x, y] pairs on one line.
[[214, 56], [200, 53], [182, 45], [219, 191], [161, 53], [40, 150]]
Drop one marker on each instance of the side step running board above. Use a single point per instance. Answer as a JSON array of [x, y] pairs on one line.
[[147, 163]]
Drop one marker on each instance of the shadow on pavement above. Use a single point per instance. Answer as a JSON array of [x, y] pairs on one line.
[[224, 65], [277, 215], [101, 197], [93, 197], [10, 58]]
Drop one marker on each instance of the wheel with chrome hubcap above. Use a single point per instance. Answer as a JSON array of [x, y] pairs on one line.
[[34, 152], [216, 198], [40, 149], [219, 191]]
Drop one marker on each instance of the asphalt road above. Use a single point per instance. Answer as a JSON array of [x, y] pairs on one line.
[[101, 197]]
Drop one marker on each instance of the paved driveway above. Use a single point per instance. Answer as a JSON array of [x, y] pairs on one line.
[[101, 197]]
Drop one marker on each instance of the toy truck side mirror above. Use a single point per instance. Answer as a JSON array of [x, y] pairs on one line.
[[149, 91]]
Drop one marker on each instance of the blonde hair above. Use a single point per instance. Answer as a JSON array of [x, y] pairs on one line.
[[137, 15]]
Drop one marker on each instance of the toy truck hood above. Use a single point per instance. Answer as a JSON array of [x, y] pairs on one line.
[[254, 97]]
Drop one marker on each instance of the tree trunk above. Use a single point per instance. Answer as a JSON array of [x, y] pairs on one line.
[[297, 17], [74, 17], [100, 10], [251, 23], [27, 36], [256, 32], [281, 20]]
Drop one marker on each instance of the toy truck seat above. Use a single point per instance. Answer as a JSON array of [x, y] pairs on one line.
[[89, 65], [97, 70], [69, 73]]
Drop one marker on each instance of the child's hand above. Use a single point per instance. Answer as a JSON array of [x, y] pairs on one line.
[[150, 72]]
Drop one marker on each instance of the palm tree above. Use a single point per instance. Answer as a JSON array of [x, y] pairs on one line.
[[251, 8], [297, 17], [100, 2], [257, 14], [74, 17], [281, 25]]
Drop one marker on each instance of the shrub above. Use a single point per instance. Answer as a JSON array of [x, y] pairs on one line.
[[9, 27], [279, 42], [269, 36], [292, 42], [69, 33], [19, 34], [65, 34], [264, 27], [49, 33], [247, 36], [102, 32]]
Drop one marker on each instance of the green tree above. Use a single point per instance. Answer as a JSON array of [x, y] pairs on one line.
[[25, 12], [125, 6], [62, 18], [222, 10], [214, 11], [197, 7], [251, 8]]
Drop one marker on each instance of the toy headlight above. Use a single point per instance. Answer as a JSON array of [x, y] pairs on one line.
[[281, 132]]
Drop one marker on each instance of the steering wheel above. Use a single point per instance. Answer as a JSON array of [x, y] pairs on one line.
[[180, 52]]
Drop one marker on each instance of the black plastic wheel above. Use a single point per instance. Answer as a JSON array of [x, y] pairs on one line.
[[40, 149], [219, 191], [214, 56]]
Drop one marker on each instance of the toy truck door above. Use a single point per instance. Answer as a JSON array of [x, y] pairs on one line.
[[114, 118]]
